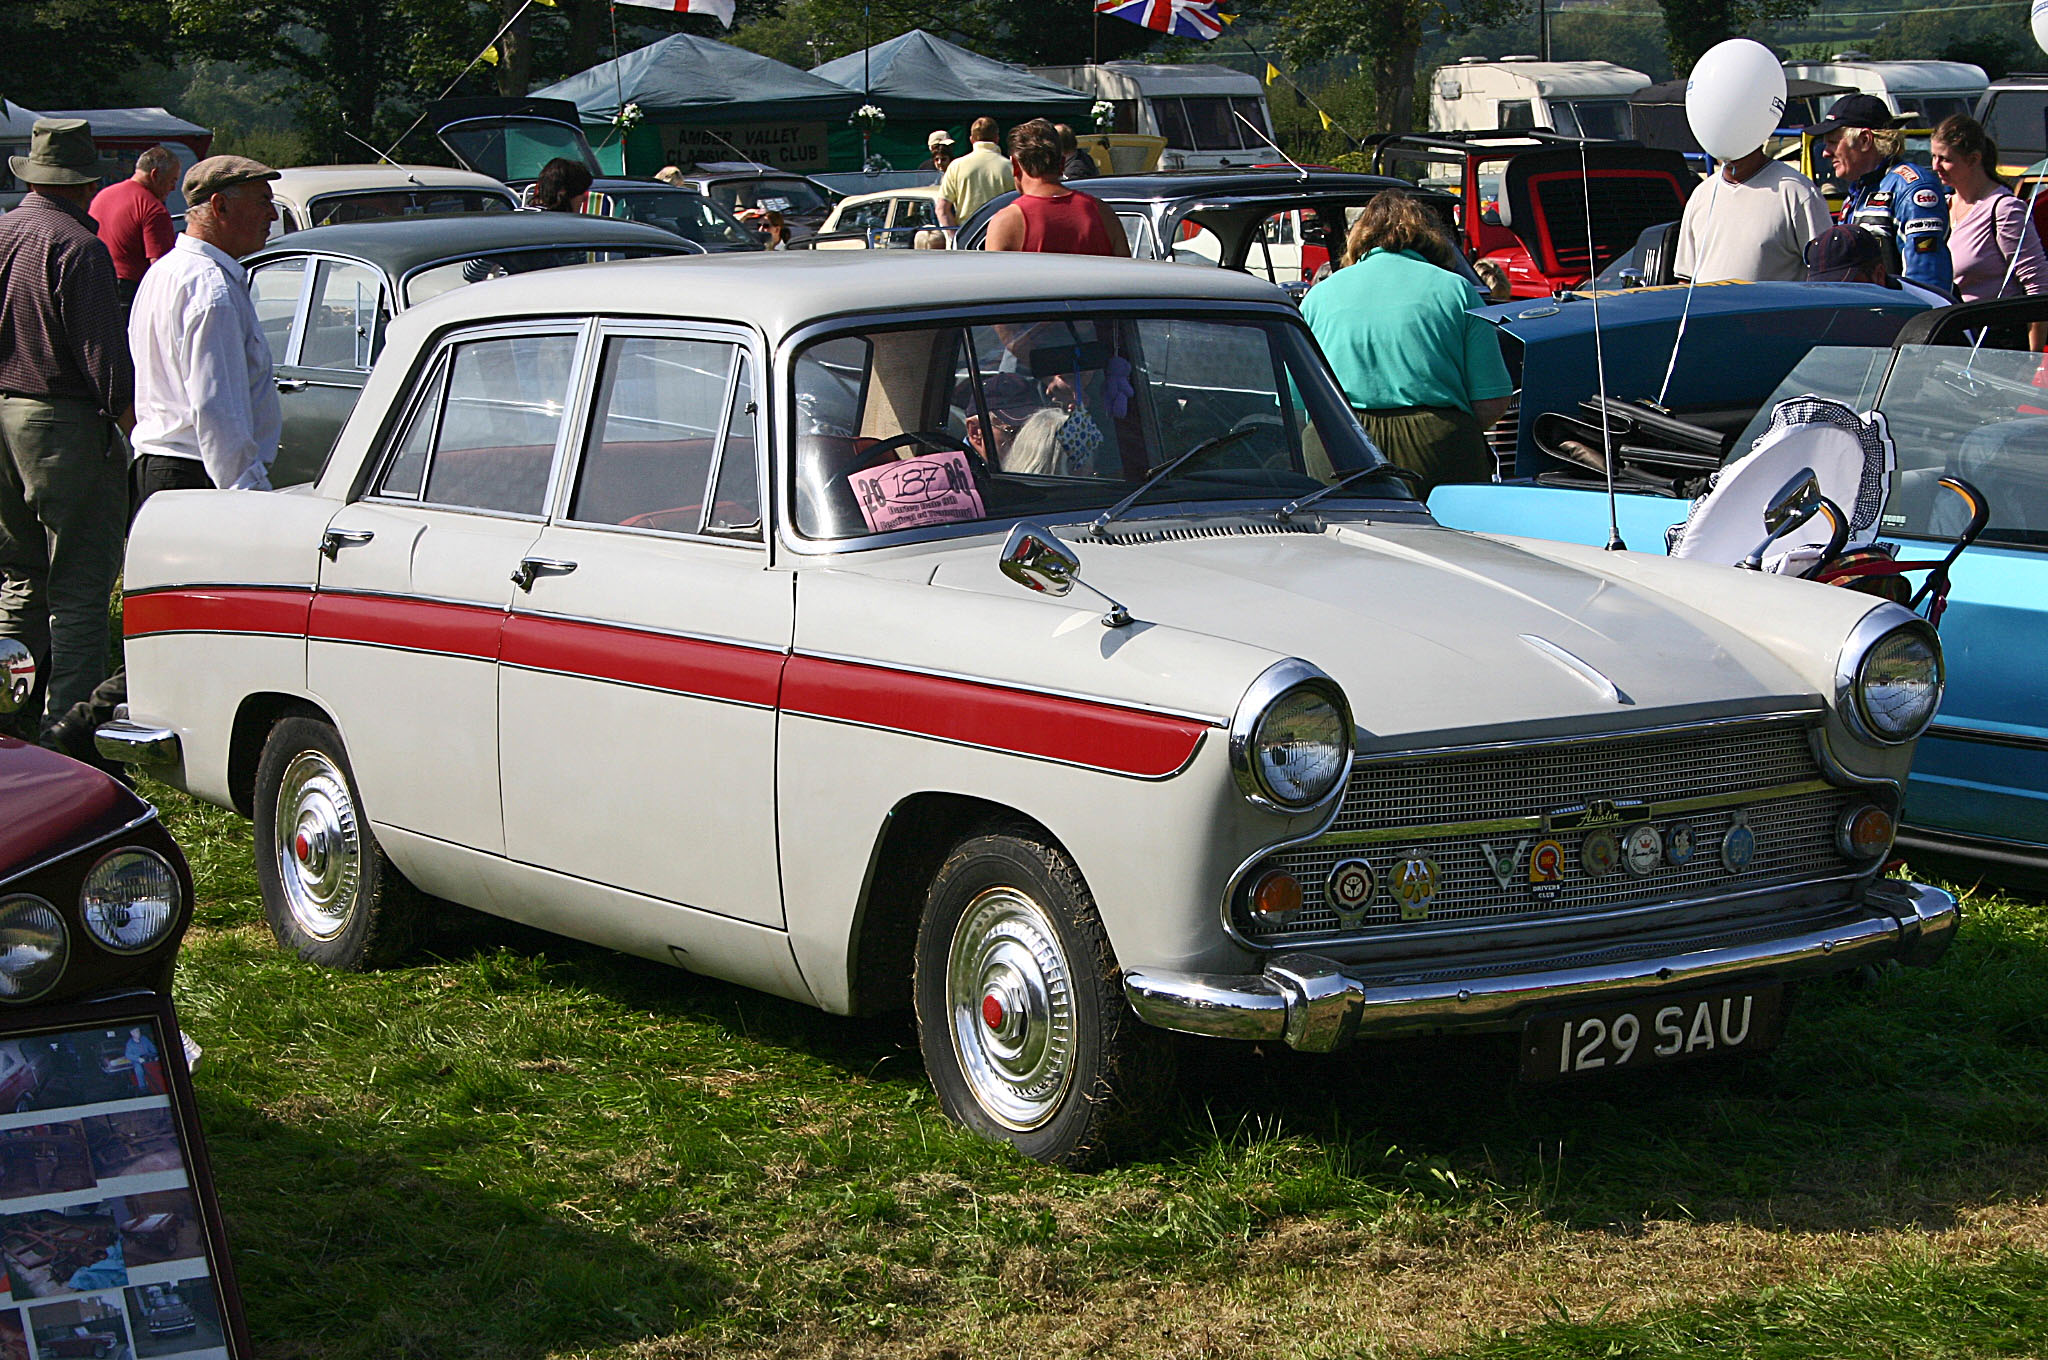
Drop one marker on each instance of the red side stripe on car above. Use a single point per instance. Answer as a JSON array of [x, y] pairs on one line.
[[715, 670], [419, 625], [226, 609], [1104, 736]]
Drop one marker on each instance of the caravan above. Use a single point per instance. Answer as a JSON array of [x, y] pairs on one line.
[[1200, 110], [1926, 91], [1577, 98]]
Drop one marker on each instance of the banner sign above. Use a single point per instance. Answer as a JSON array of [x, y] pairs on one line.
[[786, 146]]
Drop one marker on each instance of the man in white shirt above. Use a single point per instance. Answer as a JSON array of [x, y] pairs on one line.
[[206, 412], [1751, 220]]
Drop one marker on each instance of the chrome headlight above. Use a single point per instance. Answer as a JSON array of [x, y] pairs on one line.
[[1889, 680], [130, 900], [1290, 741], [33, 947]]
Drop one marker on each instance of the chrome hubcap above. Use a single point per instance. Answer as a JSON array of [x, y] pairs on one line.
[[1010, 1004], [319, 848]]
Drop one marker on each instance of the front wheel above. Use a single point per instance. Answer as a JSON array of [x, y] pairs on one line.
[[329, 893], [1020, 1006]]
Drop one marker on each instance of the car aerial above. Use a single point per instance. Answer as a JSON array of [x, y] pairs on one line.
[[738, 614], [889, 219], [1278, 225], [328, 195], [1522, 196], [325, 296], [1978, 792], [94, 894]]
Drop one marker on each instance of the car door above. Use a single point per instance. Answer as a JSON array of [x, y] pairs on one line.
[[640, 665], [416, 577], [321, 374]]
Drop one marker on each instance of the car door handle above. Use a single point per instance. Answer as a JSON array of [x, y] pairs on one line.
[[291, 384], [531, 568], [334, 540]]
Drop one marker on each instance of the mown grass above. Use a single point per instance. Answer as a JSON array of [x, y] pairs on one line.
[[523, 1147]]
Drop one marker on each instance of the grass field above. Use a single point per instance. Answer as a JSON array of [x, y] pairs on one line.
[[523, 1147]]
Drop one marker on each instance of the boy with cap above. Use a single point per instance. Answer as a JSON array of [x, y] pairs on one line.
[[940, 144], [65, 383], [1900, 203]]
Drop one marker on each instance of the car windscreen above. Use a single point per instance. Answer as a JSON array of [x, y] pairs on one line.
[[1983, 418], [689, 215], [374, 204], [769, 195], [437, 279], [966, 422]]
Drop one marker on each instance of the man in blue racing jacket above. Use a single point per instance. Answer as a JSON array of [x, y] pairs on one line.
[[1900, 203]]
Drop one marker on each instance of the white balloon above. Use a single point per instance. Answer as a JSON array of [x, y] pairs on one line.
[[1735, 98], [2041, 24]]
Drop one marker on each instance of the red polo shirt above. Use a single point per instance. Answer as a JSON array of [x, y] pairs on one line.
[[135, 225]]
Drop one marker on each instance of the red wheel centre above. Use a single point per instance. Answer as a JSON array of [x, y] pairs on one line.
[[301, 847], [992, 1011]]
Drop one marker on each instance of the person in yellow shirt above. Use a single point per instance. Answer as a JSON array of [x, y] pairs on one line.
[[975, 178]]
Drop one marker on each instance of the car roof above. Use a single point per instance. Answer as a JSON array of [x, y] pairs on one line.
[[907, 191], [401, 244], [306, 180], [1261, 183], [782, 291]]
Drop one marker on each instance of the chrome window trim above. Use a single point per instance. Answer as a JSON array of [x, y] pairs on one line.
[[1275, 682], [863, 322], [386, 299], [1871, 629], [405, 280], [308, 261]]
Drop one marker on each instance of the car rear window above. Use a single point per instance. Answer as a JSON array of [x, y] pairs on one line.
[[374, 204]]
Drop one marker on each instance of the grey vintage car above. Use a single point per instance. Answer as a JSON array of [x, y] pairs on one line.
[[325, 296]]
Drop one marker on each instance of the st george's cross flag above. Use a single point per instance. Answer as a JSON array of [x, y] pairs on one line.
[[1201, 19], [720, 10]]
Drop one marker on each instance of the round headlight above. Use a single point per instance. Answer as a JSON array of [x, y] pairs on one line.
[[1290, 741], [32, 947], [1898, 686], [130, 900]]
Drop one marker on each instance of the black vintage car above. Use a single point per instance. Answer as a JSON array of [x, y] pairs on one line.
[[1279, 225], [324, 297]]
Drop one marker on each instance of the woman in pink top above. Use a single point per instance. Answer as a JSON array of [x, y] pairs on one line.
[[1988, 224]]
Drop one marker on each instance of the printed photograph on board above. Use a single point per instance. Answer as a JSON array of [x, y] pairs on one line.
[[44, 1159], [13, 1335], [93, 1326], [160, 1226], [62, 1251], [133, 1143], [175, 1319]]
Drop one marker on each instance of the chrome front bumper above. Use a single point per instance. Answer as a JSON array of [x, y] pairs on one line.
[[1316, 1005], [130, 743]]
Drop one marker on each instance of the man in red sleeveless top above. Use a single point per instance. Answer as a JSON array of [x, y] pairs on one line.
[[1046, 215]]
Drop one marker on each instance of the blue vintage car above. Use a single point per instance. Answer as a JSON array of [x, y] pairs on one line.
[[1979, 787]]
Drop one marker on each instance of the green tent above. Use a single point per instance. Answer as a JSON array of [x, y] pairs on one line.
[[922, 83], [701, 100]]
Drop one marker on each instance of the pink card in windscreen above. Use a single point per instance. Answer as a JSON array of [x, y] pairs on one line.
[[937, 488]]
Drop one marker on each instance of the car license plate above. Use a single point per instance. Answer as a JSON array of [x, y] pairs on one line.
[[1645, 1033]]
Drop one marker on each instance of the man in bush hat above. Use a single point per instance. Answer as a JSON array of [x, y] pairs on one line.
[[66, 382], [1900, 203]]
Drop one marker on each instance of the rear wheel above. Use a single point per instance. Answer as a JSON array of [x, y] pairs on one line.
[[329, 893], [1020, 1006]]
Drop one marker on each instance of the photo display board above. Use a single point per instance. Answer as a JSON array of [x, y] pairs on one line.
[[110, 1238]]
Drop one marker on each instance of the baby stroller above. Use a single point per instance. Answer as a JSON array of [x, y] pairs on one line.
[[1817, 457]]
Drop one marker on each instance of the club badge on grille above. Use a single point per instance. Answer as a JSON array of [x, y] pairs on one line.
[[1600, 853], [1503, 862], [1415, 881], [1351, 884], [1546, 871], [1738, 844], [1642, 850], [1678, 844]]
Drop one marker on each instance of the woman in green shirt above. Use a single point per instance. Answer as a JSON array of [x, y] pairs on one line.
[[1424, 374]]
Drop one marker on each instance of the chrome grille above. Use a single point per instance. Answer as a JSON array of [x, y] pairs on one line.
[[1794, 826]]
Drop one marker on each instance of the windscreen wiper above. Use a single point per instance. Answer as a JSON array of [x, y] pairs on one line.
[[1116, 512], [1394, 470]]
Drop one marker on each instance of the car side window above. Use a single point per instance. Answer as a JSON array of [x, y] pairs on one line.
[[345, 327], [736, 503], [487, 432], [653, 430], [275, 289], [408, 465], [914, 212]]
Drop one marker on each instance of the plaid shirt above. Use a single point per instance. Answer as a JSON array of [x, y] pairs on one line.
[[60, 314]]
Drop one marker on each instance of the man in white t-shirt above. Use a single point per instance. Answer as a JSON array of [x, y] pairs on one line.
[[1751, 220]]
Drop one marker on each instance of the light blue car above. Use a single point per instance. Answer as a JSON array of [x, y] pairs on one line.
[[1979, 787]]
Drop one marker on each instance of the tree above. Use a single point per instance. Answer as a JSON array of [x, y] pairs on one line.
[[1992, 41], [1693, 26], [53, 51], [1385, 35]]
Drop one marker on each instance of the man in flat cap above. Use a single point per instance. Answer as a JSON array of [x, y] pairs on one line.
[[65, 384], [206, 412]]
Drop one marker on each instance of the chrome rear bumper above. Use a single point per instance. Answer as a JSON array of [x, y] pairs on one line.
[[1316, 1005], [131, 743]]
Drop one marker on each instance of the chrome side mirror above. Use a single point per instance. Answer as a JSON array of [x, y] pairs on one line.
[[17, 676], [1797, 501], [1035, 558]]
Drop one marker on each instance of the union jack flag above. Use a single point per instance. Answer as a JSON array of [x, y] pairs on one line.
[[1201, 19]]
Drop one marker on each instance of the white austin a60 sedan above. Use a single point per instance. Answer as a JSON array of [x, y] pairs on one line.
[[1035, 642]]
